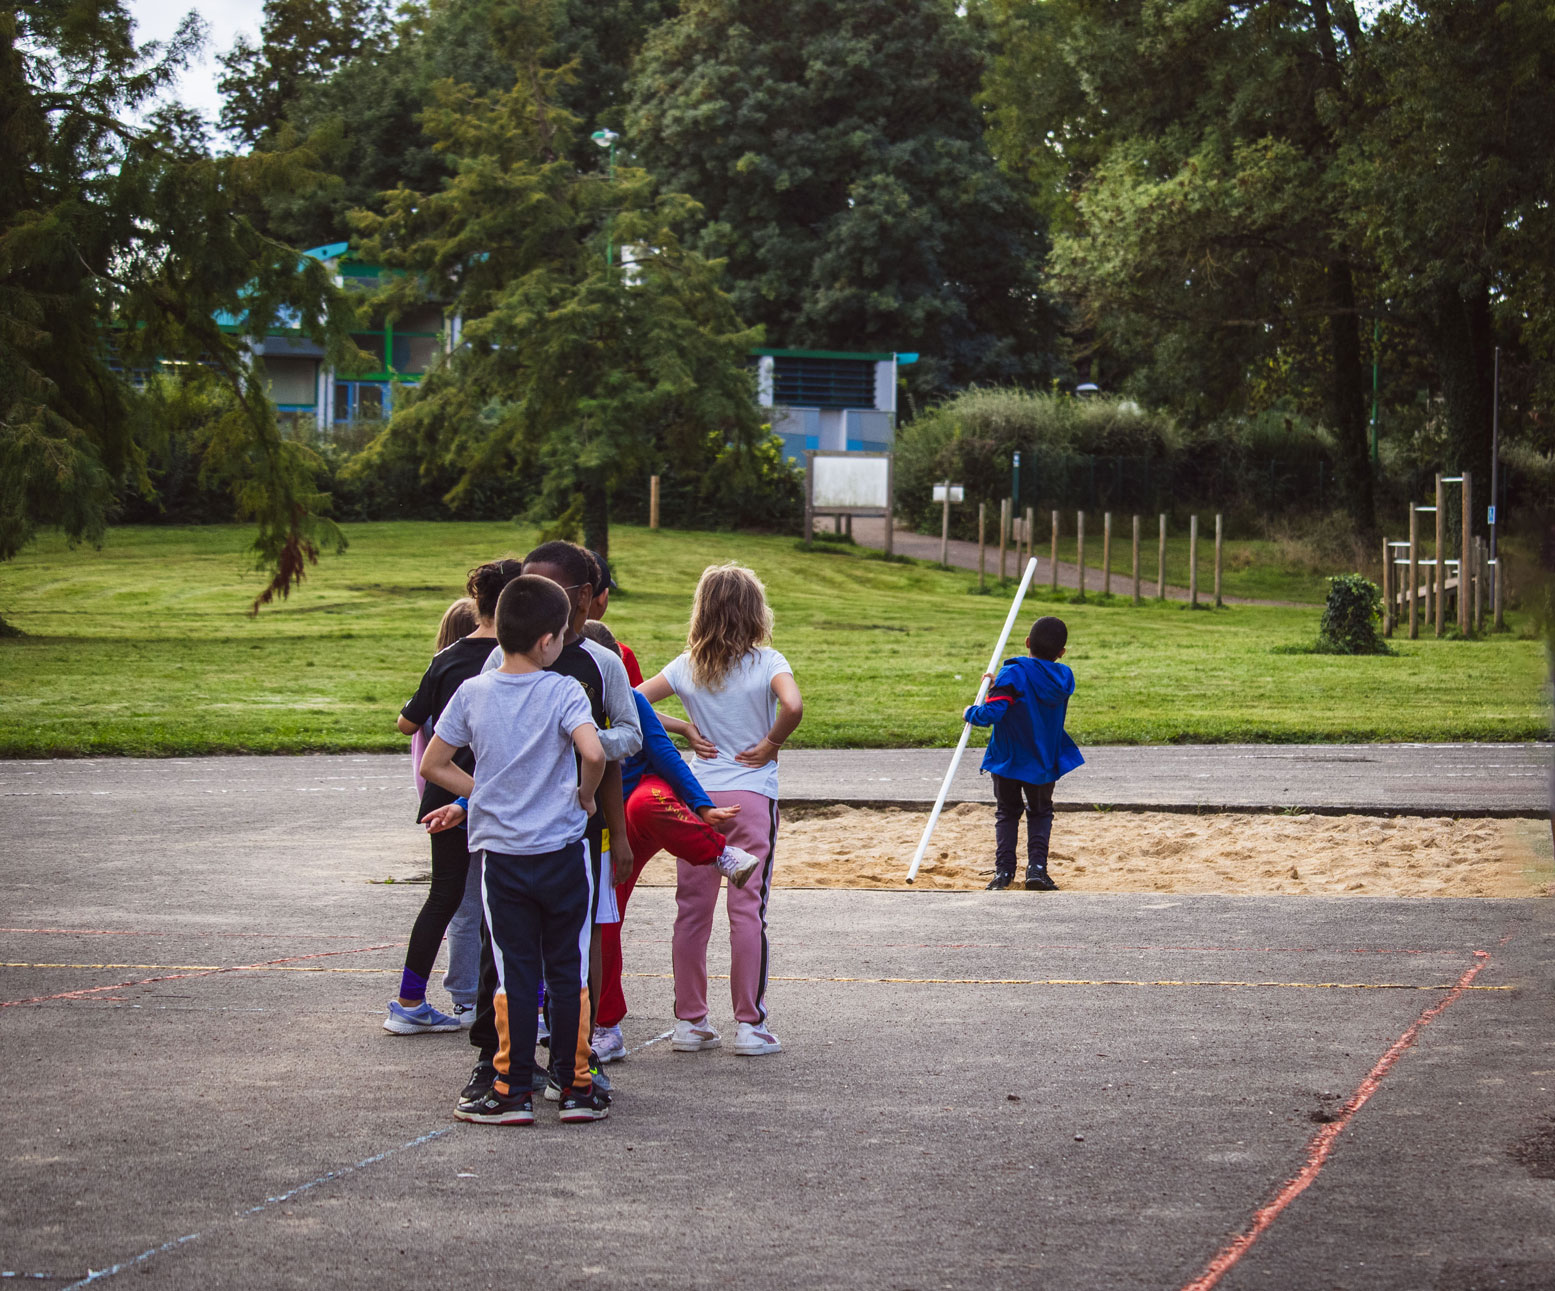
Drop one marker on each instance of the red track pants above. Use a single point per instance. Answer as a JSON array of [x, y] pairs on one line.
[[656, 821]]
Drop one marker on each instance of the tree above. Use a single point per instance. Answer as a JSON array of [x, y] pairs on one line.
[[1202, 146], [1450, 184], [839, 154], [572, 367], [300, 42], [119, 251]]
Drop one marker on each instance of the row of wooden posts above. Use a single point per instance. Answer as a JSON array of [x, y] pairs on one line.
[[1469, 585], [1011, 528]]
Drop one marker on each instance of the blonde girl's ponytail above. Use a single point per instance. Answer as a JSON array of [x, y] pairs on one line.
[[730, 618]]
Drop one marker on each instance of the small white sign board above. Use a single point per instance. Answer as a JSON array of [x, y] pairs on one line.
[[851, 482], [957, 493]]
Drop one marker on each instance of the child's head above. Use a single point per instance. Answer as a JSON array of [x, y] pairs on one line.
[[598, 633], [530, 609], [729, 618], [1048, 638], [458, 621], [486, 582], [571, 568], [603, 586]]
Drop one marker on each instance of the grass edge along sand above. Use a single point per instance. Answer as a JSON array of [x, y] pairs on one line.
[[144, 648]]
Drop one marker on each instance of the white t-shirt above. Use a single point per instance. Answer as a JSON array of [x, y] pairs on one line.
[[735, 717], [519, 726]]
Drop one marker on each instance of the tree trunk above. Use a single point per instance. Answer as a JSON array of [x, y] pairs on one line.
[[1462, 346], [1347, 398], [596, 515]]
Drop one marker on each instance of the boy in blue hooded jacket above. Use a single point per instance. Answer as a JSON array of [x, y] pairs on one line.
[[1028, 750]]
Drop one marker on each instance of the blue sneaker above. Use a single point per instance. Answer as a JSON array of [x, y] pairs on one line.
[[403, 1021]]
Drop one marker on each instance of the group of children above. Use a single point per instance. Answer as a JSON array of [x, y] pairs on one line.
[[548, 782]]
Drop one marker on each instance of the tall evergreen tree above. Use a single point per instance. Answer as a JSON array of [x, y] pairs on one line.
[[839, 154], [595, 342], [119, 250]]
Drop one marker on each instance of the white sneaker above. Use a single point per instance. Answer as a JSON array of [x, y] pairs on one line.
[[737, 865], [608, 1045], [464, 1014], [752, 1040], [692, 1036]]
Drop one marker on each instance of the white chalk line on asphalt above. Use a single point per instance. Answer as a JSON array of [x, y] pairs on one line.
[[98, 1275]]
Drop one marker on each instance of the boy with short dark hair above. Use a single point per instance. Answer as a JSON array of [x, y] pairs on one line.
[[528, 806], [1028, 750]]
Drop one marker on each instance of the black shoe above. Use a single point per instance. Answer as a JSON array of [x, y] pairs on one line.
[[591, 1104], [499, 1109], [999, 882], [480, 1082], [553, 1090], [1038, 881]]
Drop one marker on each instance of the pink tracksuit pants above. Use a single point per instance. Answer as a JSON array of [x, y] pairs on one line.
[[696, 898]]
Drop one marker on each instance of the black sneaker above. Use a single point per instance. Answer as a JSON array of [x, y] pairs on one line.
[[591, 1104], [480, 1082], [499, 1109], [999, 882], [553, 1091], [1038, 881]]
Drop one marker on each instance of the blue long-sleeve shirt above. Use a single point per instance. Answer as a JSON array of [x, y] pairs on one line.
[[1026, 706], [660, 756]]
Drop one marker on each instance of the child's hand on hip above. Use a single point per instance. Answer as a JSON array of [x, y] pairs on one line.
[[586, 801]]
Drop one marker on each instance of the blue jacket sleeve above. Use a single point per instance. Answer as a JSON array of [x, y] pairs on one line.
[[1001, 697], [664, 759]]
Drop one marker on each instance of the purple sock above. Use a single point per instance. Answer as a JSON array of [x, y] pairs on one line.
[[413, 986]]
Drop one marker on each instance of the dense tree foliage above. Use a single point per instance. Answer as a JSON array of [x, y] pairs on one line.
[[840, 157], [578, 364], [119, 250]]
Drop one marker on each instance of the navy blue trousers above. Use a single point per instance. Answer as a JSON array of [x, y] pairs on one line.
[[1013, 799]]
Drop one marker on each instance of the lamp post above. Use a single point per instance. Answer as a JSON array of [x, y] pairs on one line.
[[607, 139]]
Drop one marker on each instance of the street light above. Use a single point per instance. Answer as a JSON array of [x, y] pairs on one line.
[[607, 139]]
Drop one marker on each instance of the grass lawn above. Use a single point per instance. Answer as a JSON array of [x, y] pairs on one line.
[[144, 647]]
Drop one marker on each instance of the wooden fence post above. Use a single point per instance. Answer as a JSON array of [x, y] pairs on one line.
[[1498, 587], [1414, 571], [1136, 561], [944, 528], [653, 502], [1193, 562], [1160, 564], [1217, 559], [1079, 545], [1004, 530], [982, 546], [1441, 556], [1468, 564], [1481, 569], [1106, 553], [1387, 588], [1031, 540], [1053, 555]]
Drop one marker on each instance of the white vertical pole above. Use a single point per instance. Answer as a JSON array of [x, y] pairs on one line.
[[966, 727]]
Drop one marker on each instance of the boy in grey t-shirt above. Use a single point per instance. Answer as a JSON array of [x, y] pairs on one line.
[[528, 805]]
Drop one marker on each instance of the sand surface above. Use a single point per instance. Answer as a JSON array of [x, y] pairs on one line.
[[857, 847]]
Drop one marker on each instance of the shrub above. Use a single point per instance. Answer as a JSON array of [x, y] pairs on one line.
[[1352, 618]]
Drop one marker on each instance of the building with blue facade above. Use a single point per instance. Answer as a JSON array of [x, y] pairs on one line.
[[830, 399]]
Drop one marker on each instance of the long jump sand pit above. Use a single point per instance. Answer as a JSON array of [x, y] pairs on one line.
[[1262, 855]]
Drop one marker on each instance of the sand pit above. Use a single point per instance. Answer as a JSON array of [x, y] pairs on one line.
[[856, 847]]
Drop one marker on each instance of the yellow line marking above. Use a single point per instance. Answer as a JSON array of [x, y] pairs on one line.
[[858, 981]]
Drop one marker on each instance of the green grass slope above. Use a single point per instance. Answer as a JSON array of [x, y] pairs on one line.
[[144, 647]]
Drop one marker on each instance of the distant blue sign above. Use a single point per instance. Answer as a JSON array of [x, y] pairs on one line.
[[1490, 515]]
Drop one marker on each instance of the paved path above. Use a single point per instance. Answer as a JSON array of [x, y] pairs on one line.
[[1414, 779], [977, 1090], [870, 532]]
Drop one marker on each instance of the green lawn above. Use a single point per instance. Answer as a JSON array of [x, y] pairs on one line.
[[144, 647]]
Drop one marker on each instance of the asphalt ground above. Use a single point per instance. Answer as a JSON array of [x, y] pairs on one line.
[[976, 1089]]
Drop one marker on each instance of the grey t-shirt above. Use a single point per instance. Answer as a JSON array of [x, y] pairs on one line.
[[603, 678], [519, 726]]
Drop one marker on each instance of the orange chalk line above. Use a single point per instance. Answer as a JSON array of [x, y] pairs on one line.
[[278, 966], [202, 971], [1322, 1143]]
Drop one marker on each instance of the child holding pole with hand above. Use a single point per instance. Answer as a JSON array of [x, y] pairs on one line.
[[1028, 751]]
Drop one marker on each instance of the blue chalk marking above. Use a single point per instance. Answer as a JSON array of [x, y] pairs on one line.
[[99, 1274]]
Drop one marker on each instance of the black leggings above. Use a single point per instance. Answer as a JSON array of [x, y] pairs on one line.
[[1008, 809], [450, 869]]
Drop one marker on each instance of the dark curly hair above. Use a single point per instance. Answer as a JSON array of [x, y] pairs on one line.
[[486, 582]]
